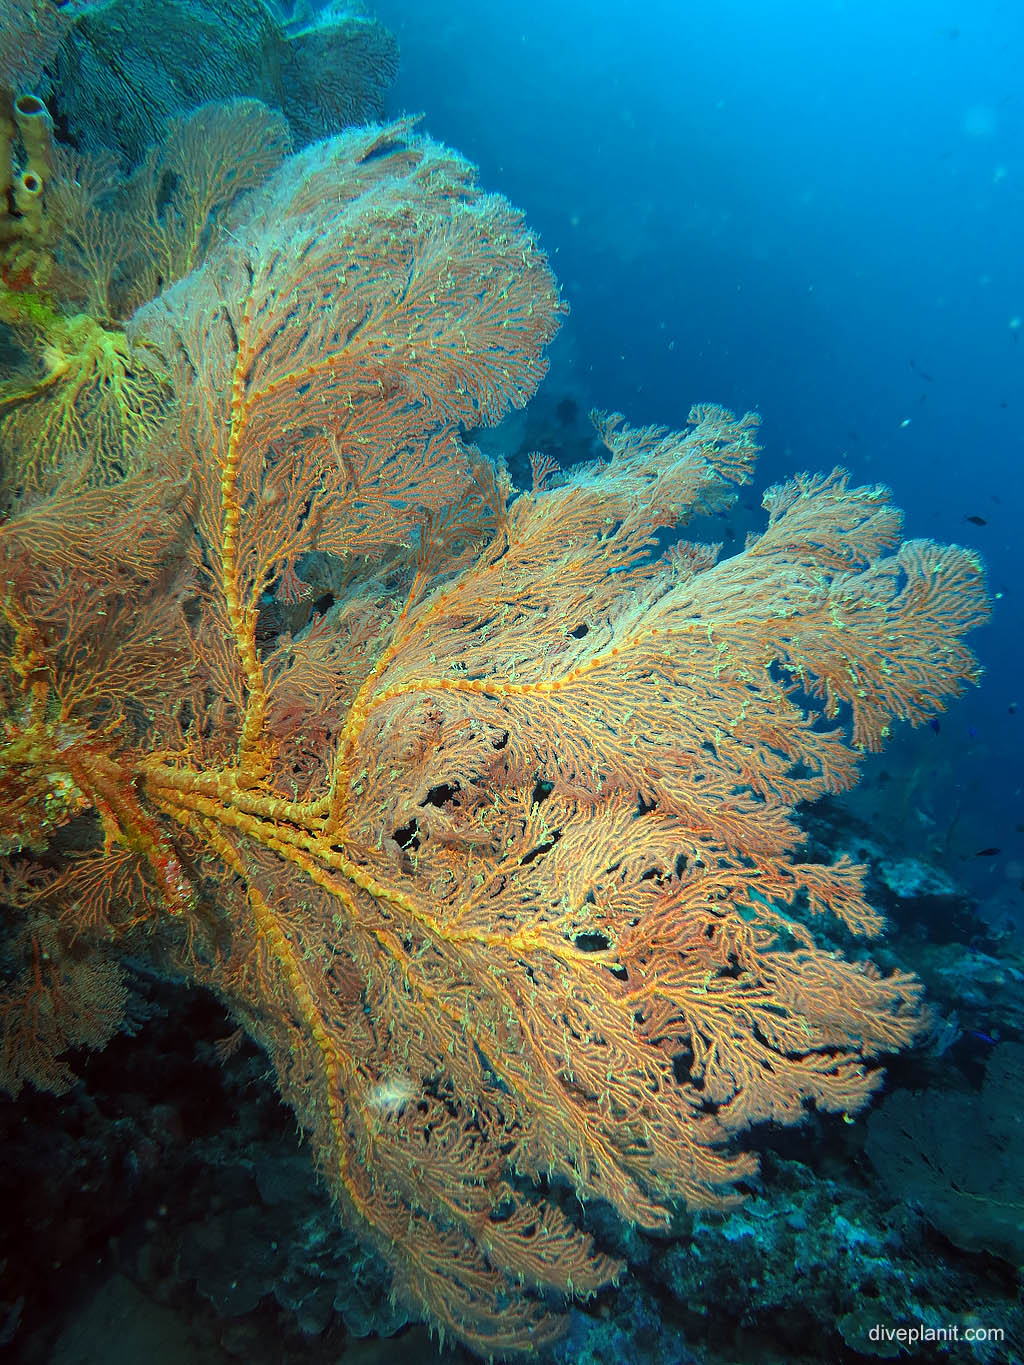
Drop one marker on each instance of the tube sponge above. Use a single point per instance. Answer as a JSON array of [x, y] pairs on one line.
[[35, 128]]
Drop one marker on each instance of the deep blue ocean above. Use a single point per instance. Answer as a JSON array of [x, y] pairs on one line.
[[811, 209]]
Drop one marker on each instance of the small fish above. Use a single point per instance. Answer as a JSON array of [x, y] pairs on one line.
[[935, 724], [987, 852], [976, 520]]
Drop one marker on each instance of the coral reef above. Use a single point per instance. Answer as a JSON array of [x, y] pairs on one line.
[[128, 66], [80, 398], [493, 851], [958, 1157], [30, 33]]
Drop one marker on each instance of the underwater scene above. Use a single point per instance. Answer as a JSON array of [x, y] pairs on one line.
[[511, 835]]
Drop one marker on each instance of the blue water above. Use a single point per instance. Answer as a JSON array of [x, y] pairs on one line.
[[812, 209]]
